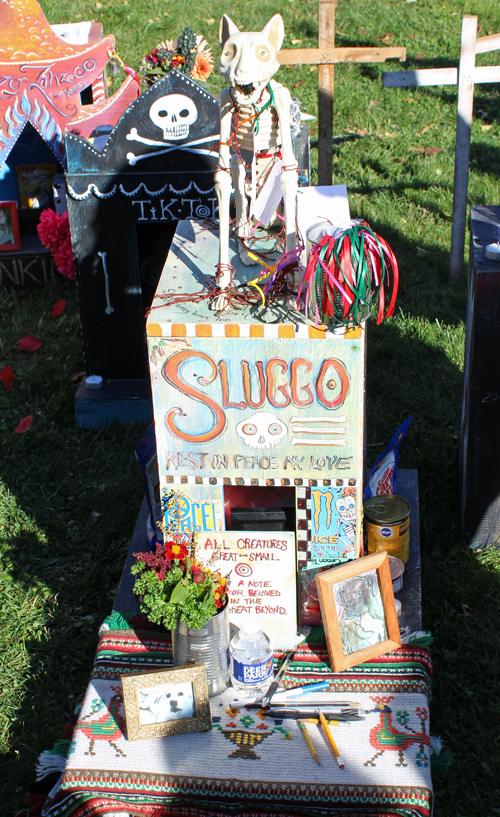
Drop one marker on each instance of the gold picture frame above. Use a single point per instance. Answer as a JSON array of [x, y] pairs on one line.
[[358, 611], [166, 702]]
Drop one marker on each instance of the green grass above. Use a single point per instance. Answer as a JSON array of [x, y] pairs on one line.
[[69, 498]]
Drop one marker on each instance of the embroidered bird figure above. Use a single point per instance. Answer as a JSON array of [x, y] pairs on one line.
[[386, 737], [110, 726]]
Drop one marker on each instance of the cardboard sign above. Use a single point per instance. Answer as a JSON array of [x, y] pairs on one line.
[[262, 567]]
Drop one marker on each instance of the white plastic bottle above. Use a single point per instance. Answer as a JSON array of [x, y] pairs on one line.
[[251, 657]]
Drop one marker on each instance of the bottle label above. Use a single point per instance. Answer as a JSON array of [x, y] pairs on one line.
[[252, 673]]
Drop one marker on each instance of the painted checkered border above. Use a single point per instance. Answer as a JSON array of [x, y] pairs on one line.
[[267, 483], [245, 330], [303, 501]]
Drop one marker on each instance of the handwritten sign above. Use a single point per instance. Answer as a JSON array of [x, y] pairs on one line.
[[262, 567]]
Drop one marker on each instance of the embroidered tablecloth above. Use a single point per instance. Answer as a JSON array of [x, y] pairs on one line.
[[252, 764]]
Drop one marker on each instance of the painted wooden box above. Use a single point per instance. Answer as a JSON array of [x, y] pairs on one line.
[[243, 404]]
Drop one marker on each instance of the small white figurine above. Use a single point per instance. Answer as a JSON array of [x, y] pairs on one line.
[[255, 122]]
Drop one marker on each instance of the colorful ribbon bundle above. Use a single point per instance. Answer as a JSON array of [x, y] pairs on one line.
[[274, 272], [346, 274]]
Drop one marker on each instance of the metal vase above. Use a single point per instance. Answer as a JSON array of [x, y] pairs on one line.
[[209, 646]]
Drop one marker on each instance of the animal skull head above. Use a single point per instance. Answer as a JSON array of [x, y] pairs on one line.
[[346, 508], [261, 430], [248, 58], [173, 114]]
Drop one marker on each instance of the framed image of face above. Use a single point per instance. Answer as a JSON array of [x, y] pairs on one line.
[[358, 611], [168, 702], [10, 238]]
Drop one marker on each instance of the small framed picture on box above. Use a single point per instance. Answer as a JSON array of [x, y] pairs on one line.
[[10, 237], [358, 611], [166, 702]]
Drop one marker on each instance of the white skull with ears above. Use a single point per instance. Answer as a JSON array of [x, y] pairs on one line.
[[174, 114], [261, 430]]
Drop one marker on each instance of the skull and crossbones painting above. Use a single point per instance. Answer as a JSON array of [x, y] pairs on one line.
[[174, 115]]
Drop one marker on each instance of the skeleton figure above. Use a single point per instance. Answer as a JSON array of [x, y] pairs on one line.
[[346, 509], [254, 123]]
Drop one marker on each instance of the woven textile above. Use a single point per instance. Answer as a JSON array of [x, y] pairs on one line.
[[249, 763]]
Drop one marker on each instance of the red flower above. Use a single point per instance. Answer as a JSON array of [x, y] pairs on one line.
[[54, 234], [156, 562], [177, 60], [175, 550], [198, 574]]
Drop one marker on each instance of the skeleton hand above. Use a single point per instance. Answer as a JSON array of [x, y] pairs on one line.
[[220, 302]]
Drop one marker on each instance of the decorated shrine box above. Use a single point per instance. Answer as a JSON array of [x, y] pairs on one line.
[[253, 408]]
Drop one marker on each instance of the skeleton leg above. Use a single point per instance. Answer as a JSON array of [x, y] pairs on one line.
[[223, 277], [242, 209]]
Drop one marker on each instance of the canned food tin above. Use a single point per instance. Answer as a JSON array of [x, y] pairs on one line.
[[397, 569], [387, 525]]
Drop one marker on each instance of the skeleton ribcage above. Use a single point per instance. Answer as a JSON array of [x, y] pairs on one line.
[[350, 532], [267, 136]]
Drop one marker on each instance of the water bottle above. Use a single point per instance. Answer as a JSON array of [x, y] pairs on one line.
[[251, 657]]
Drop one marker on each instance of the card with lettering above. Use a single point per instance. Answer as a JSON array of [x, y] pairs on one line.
[[195, 507], [262, 567], [333, 525]]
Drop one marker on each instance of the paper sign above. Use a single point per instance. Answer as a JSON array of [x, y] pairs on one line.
[[262, 568], [270, 195], [316, 204]]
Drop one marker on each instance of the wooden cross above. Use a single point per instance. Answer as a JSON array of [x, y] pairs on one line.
[[466, 75], [325, 56]]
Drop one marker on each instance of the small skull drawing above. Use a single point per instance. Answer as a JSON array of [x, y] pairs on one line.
[[261, 430], [346, 508], [174, 114]]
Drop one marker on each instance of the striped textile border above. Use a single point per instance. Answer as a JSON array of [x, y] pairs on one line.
[[248, 330]]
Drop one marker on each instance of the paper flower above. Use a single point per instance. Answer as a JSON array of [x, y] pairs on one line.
[[54, 233]]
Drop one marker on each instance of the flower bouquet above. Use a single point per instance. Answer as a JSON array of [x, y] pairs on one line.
[[189, 54], [173, 585]]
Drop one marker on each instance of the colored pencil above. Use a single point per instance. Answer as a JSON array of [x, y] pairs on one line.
[[309, 742], [330, 739]]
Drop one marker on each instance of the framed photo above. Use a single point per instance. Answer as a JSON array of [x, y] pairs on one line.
[[10, 237], [358, 611], [167, 702]]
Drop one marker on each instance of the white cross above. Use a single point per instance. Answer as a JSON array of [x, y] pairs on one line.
[[466, 75]]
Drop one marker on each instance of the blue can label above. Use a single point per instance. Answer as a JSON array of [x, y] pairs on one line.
[[386, 532], [252, 673]]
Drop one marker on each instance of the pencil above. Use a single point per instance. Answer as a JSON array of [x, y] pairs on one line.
[[309, 742], [330, 739]]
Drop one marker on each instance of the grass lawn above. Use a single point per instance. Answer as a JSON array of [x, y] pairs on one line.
[[69, 498]]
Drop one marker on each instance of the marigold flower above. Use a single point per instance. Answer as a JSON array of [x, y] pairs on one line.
[[175, 550]]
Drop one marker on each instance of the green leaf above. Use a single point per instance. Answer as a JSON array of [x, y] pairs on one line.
[[179, 593]]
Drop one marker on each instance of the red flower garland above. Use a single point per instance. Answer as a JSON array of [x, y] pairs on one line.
[[54, 234]]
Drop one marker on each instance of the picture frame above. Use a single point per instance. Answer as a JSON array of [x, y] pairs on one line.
[[166, 702], [10, 237], [358, 611]]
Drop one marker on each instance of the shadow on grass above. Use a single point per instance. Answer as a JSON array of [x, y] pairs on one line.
[[485, 158], [69, 500], [408, 376]]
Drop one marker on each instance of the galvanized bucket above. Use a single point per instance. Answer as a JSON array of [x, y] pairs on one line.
[[209, 646]]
